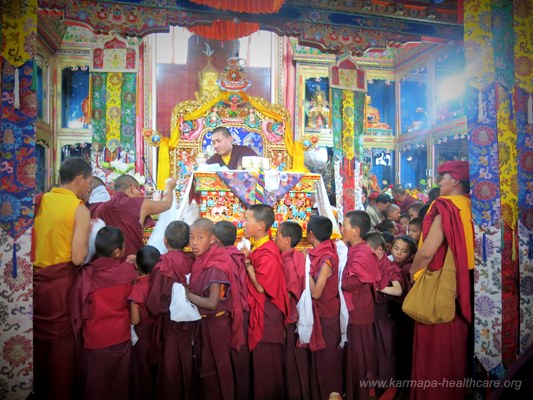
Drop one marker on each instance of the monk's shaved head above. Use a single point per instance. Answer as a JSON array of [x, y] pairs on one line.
[[204, 224], [123, 182], [96, 182]]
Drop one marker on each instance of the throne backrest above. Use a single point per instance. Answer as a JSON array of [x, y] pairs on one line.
[[252, 122]]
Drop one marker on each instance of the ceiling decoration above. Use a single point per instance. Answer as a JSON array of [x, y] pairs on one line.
[[330, 25], [244, 6]]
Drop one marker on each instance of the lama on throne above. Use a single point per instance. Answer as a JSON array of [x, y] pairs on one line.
[[253, 123]]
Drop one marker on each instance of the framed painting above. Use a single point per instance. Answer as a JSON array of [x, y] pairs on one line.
[[313, 112]]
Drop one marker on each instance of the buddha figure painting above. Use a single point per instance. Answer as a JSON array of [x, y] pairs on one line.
[[373, 118], [318, 112]]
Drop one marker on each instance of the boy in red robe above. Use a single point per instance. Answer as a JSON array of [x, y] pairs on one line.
[[212, 281], [297, 387], [388, 288], [326, 354], [142, 353], [226, 234], [175, 371], [269, 304], [102, 289], [359, 280]]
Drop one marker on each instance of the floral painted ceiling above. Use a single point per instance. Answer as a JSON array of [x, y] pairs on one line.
[[335, 26]]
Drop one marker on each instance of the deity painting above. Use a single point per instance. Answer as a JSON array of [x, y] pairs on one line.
[[317, 111], [379, 107], [75, 98]]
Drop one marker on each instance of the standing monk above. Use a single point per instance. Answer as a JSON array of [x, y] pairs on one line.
[[61, 234], [440, 351], [129, 211], [227, 153]]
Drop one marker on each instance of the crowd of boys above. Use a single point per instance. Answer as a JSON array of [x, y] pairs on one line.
[[125, 344]]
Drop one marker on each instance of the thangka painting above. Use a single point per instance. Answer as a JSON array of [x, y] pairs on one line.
[[317, 108]]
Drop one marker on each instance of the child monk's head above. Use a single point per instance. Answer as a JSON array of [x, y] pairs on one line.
[[176, 235], [403, 249], [258, 220], [319, 229], [356, 226], [288, 235], [226, 233], [414, 229], [147, 258], [375, 241], [202, 236], [109, 242]]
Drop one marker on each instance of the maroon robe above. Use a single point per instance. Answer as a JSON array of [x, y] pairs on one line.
[[54, 347], [241, 358], [359, 279], [104, 286], [220, 329], [268, 312], [296, 358], [406, 203], [326, 355], [124, 212], [143, 353], [384, 326], [235, 161], [447, 343], [173, 339]]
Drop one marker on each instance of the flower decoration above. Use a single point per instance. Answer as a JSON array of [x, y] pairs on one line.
[[119, 168]]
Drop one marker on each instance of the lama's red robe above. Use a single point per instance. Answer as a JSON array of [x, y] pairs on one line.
[[268, 312], [173, 339], [296, 358], [103, 288], [326, 355], [359, 278]]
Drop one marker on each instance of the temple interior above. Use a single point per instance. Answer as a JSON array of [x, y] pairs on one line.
[[365, 94]]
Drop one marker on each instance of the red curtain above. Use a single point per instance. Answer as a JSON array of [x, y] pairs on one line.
[[225, 30], [244, 6]]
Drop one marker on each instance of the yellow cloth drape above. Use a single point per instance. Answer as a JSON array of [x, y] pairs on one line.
[[163, 163], [19, 20], [479, 53], [113, 110]]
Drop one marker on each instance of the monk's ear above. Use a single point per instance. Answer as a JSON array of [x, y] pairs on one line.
[[212, 239]]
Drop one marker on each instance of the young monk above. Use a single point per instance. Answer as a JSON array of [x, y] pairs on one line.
[[226, 234], [289, 234], [269, 304], [388, 287], [359, 279], [414, 229], [326, 355], [103, 288], [212, 280], [175, 372], [142, 353]]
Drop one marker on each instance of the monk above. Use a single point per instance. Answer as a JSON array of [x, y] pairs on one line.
[[326, 355], [226, 153], [130, 211], [447, 227], [269, 304], [212, 280], [388, 288], [175, 372], [359, 280], [143, 352], [98, 195], [226, 235], [297, 383], [101, 293], [402, 199], [60, 243]]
